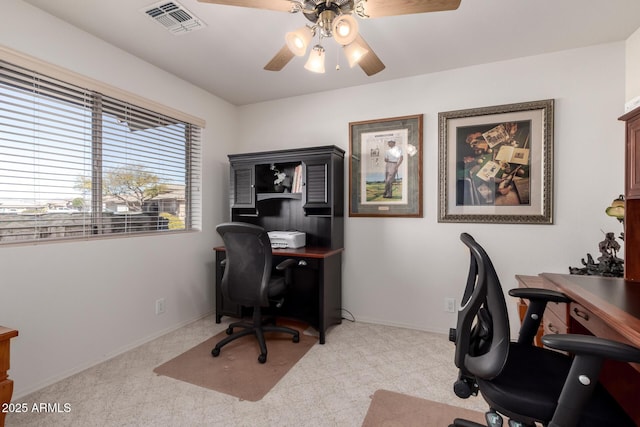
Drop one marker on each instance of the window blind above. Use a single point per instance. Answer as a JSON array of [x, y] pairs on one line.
[[77, 164]]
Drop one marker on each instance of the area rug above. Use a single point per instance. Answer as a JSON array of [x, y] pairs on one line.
[[237, 371], [390, 409]]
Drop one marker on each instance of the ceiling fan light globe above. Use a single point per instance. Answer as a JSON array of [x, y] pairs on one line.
[[345, 29], [354, 53], [315, 63], [298, 40]]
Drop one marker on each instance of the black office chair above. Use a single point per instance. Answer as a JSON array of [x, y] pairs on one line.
[[528, 384], [248, 281]]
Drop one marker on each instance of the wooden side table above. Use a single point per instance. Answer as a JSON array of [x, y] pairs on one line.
[[6, 385]]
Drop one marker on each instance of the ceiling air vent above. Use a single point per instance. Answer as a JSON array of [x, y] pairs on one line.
[[174, 17]]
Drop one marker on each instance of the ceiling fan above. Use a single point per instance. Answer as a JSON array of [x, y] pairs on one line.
[[334, 18]]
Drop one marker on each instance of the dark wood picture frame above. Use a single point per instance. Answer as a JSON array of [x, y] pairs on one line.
[[385, 167], [496, 164]]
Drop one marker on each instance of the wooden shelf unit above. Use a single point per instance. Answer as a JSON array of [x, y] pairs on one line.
[[632, 196]]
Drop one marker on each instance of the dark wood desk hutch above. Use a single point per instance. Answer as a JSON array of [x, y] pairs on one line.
[[632, 196], [317, 210]]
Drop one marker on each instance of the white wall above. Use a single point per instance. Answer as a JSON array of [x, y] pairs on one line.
[[633, 66], [76, 304], [398, 271]]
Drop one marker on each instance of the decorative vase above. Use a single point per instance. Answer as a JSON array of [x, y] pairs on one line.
[[278, 188]]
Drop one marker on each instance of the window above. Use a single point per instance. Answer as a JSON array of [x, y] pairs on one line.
[[75, 163]]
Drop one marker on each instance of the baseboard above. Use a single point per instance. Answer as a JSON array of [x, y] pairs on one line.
[[400, 325], [20, 393]]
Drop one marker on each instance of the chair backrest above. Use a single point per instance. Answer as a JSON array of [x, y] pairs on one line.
[[482, 332], [248, 263]]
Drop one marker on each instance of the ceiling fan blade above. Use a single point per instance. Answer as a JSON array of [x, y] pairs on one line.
[[277, 5], [281, 59], [370, 63], [378, 8]]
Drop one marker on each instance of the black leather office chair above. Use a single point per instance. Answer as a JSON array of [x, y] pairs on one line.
[[248, 281], [528, 384]]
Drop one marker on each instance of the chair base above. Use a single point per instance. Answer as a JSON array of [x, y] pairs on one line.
[[257, 328], [492, 419], [459, 422]]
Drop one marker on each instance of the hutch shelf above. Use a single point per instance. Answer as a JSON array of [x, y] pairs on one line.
[[312, 202]]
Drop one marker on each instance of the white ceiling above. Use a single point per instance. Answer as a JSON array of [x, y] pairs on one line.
[[227, 57]]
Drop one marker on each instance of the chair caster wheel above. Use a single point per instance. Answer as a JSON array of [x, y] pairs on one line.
[[262, 358], [229, 331], [296, 338], [215, 352]]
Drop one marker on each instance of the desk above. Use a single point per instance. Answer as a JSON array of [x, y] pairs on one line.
[[315, 296], [604, 307], [6, 385]]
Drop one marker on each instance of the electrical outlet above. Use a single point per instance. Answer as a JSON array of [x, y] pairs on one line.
[[450, 305], [160, 306]]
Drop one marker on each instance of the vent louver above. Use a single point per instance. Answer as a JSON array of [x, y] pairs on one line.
[[174, 17]]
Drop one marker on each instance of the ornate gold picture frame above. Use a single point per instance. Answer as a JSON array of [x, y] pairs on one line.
[[496, 164]]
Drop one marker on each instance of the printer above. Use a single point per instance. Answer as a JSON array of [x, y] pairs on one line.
[[286, 239]]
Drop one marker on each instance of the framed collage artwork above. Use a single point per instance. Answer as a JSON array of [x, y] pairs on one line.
[[496, 164]]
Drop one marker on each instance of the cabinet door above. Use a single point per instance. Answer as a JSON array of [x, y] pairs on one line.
[[317, 184], [243, 186], [633, 158]]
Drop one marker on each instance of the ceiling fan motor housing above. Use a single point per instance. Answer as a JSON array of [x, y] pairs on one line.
[[313, 10]]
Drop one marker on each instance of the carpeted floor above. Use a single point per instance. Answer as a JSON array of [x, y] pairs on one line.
[[331, 386], [237, 371], [391, 409]]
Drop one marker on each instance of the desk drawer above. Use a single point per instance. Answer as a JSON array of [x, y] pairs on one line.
[[593, 323], [559, 311], [553, 324]]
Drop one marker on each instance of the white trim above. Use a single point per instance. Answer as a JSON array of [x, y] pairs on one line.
[[54, 71]]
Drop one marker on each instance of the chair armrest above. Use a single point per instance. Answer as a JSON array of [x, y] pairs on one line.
[[593, 346], [582, 378], [539, 294], [538, 299], [285, 264]]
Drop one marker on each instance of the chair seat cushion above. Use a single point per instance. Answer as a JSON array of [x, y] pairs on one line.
[[544, 372]]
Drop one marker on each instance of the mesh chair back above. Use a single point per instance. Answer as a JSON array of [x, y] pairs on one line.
[[482, 332], [248, 263]]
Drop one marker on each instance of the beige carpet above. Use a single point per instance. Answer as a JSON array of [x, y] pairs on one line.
[[390, 409], [237, 371]]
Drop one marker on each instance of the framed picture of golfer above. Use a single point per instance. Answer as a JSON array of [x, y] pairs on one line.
[[385, 168]]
